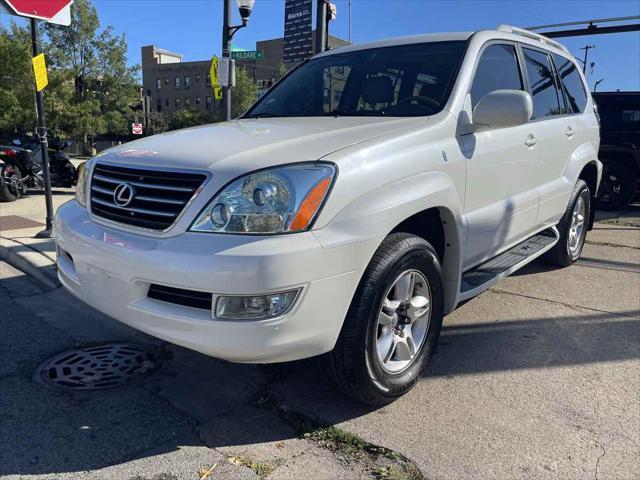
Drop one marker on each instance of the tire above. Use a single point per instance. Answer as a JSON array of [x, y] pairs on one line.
[[354, 365], [618, 185], [7, 193], [569, 248]]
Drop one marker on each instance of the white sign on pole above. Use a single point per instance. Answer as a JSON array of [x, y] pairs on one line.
[[223, 72]]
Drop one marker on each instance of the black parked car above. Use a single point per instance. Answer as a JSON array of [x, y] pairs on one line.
[[619, 147]]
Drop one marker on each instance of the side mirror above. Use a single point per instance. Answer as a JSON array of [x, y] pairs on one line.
[[502, 108]]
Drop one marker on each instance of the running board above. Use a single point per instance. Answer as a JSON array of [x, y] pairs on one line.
[[487, 274]]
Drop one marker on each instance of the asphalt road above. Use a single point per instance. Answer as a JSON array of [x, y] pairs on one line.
[[537, 378]]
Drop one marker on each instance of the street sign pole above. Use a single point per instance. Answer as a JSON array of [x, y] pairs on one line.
[[226, 53], [42, 137]]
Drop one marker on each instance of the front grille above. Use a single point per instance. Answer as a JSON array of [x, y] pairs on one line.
[[158, 197], [179, 296]]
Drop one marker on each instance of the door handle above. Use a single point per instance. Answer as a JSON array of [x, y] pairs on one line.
[[530, 141], [569, 132]]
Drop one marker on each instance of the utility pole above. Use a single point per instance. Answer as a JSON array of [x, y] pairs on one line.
[[42, 137], [586, 49], [349, 22], [321, 26]]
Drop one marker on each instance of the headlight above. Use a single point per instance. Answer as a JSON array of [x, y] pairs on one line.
[[81, 183], [280, 199]]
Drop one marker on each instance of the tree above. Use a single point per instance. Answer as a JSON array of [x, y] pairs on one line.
[[17, 104], [281, 71], [96, 85], [244, 94], [187, 117], [158, 123]]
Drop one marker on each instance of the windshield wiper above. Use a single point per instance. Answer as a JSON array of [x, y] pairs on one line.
[[264, 115]]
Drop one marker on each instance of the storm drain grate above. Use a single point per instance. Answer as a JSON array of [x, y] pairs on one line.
[[15, 222], [105, 366]]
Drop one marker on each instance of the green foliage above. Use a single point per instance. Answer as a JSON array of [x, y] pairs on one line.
[[158, 123], [97, 87], [187, 117], [17, 104], [280, 72], [244, 94]]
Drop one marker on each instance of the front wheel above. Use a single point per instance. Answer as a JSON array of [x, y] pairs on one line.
[[393, 323], [572, 227]]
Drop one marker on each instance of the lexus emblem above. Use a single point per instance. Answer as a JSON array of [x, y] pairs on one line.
[[123, 195]]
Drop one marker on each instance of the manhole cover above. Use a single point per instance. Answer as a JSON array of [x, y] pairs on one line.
[[105, 366]]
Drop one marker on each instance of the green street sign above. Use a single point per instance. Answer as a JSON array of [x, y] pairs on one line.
[[247, 55]]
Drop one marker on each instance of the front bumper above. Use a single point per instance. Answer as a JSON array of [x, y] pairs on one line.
[[111, 270]]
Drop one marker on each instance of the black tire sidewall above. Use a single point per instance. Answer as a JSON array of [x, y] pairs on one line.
[[5, 192], [626, 176], [422, 258]]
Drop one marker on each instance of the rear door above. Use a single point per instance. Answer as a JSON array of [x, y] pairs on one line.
[[501, 195], [557, 130]]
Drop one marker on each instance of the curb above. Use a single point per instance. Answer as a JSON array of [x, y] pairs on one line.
[[46, 277]]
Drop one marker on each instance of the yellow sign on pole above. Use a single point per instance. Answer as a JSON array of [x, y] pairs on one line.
[[217, 89], [40, 71]]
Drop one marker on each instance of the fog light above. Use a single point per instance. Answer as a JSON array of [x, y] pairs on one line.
[[255, 307]]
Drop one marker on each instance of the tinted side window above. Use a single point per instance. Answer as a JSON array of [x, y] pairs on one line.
[[572, 83], [497, 70], [546, 97]]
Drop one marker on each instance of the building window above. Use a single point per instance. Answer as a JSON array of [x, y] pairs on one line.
[[148, 92], [187, 101], [336, 96], [177, 82], [198, 101], [166, 102], [197, 78], [159, 105], [158, 84], [177, 103], [208, 103], [187, 81], [208, 79]]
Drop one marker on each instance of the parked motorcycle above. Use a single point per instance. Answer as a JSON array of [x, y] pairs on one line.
[[21, 167]]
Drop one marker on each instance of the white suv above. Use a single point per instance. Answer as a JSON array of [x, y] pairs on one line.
[[364, 197]]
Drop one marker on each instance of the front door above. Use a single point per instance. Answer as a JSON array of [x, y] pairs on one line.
[[502, 197]]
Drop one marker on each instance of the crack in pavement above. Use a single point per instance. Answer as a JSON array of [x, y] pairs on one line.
[[565, 304], [608, 244]]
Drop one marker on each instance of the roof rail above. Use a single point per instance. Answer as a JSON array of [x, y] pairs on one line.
[[533, 35]]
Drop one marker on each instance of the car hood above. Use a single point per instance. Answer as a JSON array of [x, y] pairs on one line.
[[251, 144]]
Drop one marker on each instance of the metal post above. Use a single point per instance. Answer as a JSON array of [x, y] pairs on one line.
[[321, 26], [42, 137], [349, 22], [226, 53]]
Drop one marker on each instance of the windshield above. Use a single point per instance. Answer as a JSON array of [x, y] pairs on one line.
[[405, 80]]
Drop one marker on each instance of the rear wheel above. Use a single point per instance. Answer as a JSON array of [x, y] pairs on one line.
[[393, 323], [618, 185], [9, 190], [572, 227]]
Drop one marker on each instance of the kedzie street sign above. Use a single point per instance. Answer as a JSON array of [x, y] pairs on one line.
[[247, 55], [52, 11]]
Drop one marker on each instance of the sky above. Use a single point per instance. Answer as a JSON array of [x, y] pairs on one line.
[[193, 27]]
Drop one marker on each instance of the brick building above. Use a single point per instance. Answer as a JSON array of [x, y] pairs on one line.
[[171, 84]]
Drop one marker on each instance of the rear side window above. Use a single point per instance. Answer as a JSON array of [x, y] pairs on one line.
[[545, 94], [571, 82], [497, 70]]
